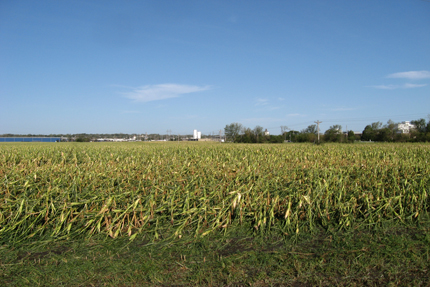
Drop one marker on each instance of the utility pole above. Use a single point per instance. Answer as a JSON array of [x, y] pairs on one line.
[[283, 130], [318, 129], [346, 137]]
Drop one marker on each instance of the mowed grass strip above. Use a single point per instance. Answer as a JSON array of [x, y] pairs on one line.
[[394, 255]]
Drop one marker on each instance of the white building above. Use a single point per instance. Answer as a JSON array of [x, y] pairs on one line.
[[197, 135], [405, 127]]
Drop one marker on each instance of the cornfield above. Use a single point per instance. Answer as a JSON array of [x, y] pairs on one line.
[[168, 189]]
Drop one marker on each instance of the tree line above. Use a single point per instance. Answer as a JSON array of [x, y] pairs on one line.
[[235, 132], [377, 132]]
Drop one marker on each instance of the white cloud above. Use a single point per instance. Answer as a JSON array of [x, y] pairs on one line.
[[385, 87], [393, 87], [409, 86], [163, 91], [274, 108], [342, 109], [411, 75], [264, 105], [296, 115], [261, 102], [260, 121]]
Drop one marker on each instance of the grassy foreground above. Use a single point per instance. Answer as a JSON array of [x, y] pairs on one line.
[[392, 256], [210, 214]]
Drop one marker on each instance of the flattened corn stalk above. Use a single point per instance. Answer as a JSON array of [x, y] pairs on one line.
[[167, 189]]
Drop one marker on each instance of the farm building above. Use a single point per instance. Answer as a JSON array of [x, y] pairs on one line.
[[405, 127]]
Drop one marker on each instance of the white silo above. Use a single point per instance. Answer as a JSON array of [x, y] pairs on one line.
[[199, 135], [195, 134]]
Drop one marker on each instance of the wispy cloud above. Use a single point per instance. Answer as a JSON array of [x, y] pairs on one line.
[[341, 109], [411, 75], [187, 117], [232, 19], [384, 87], [409, 86], [161, 92], [273, 108], [261, 102], [260, 120], [296, 115], [393, 87], [265, 105]]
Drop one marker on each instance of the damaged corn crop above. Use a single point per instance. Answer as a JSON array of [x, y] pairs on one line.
[[167, 189]]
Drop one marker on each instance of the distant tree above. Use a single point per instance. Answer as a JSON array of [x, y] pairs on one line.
[[351, 136], [256, 135], [247, 136], [308, 134], [420, 125], [232, 131], [368, 134], [428, 124], [306, 137], [276, 139], [82, 138], [419, 132], [258, 132], [376, 126], [390, 125], [333, 134], [385, 135], [388, 131], [401, 137], [312, 129], [291, 135]]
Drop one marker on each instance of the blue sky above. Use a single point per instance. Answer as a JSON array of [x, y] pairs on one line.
[[152, 66]]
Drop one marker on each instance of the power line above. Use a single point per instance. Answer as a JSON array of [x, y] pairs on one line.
[[373, 118], [360, 119]]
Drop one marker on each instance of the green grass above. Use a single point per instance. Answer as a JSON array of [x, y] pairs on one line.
[[394, 255]]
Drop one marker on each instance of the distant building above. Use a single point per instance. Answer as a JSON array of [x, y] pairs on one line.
[[266, 133], [405, 127], [197, 135]]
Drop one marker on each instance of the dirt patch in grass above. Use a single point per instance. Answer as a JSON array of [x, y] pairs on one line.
[[60, 250], [237, 245]]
